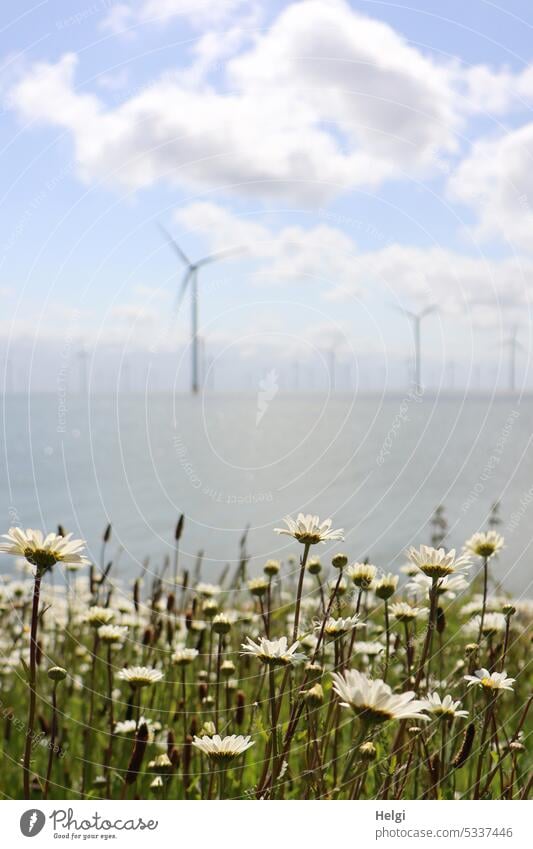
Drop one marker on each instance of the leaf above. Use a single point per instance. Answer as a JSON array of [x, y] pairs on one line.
[[26, 669]]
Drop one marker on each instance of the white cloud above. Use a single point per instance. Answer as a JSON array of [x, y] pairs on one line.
[[122, 16], [496, 91], [496, 181], [322, 101], [293, 253], [479, 289]]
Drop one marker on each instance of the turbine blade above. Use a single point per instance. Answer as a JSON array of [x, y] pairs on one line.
[[175, 247], [219, 255], [404, 311], [181, 293], [428, 310]]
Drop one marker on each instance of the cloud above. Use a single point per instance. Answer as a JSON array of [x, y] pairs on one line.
[[122, 16], [293, 253], [479, 289], [322, 101], [496, 181], [496, 91]]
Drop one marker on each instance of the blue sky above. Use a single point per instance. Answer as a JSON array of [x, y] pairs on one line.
[[368, 155]]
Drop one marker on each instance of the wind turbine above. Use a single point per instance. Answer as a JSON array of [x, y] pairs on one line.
[[190, 278], [82, 373], [332, 369], [514, 345], [416, 318]]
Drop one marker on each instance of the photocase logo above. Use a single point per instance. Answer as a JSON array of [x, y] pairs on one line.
[[268, 389], [32, 822]]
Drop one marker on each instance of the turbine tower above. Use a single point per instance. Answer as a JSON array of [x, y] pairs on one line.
[[82, 370], [190, 278], [416, 319], [514, 346]]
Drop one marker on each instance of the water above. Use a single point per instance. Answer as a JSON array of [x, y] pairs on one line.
[[378, 466]]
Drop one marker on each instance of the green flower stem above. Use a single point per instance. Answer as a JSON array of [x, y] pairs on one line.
[[303, 562], [387, 644], [53, 733], [484, 605], [32, 682]]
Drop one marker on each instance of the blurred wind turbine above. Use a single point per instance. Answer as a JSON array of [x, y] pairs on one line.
[[83, 356], [514, 345], [416, 319], [332, 368], [190, 278]]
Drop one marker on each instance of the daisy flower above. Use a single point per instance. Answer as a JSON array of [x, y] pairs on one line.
[[42, 551], [140, 676], [258, 586], [361, 574], [374, 701], [490, 680], [403, 612], [112, 633], [128, 727], [386, 586], [367, 648], [436, 563], [97, 616], [493, 623], [447, 587], [484, 544], [444, 708], [309, 530], [183, 656], [339, 627], [223, 750], [207, 590], [274, 652]]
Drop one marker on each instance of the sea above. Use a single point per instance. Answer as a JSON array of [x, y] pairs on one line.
[[379, 466]]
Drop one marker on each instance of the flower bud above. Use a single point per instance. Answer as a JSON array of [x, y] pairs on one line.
[[57, 673], [339, 561], [314, 697], [314, 566], [271, 568], [368, 751], [221, 624]]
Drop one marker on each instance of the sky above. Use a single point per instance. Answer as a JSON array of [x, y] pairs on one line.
[[361, 158]]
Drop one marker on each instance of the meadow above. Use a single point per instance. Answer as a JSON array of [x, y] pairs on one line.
[[321, 678]]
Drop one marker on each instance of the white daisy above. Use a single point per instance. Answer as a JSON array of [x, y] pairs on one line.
[[361, 574], [258, 586], [183, 656], [223, 749], [140, 676], [403, 612], [493, 623], [374, 701], [490, 680], [207, 590], [484, 544], [386, 586], [128, 727], [309, 530], [97, 616], [447, 587], [367, 648], [338, 627], [436, 562], [274, 652], [444, 708], [41, 551], [112, 633]]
